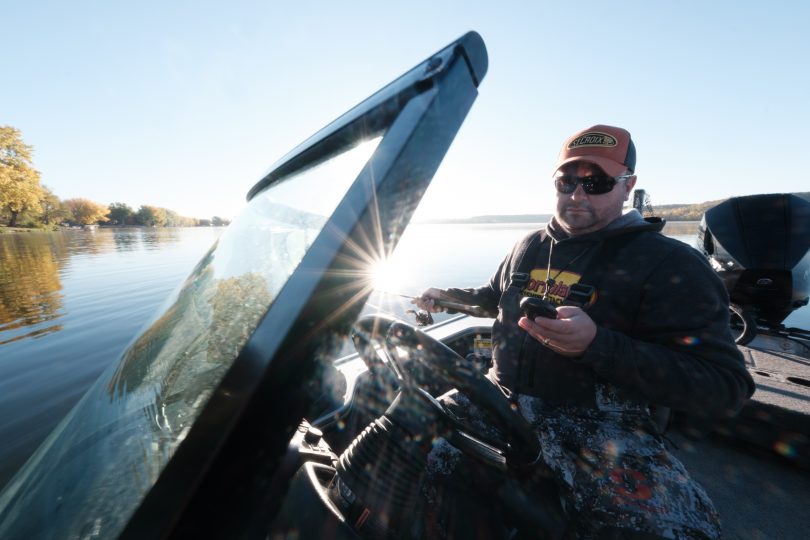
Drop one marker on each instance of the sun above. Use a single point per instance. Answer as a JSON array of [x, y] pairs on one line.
[[385, 275]]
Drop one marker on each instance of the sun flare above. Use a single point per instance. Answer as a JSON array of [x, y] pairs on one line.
[[385, 275]]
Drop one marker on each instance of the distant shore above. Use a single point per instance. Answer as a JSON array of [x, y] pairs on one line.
[[4, 229], [532, 218], [670, 212]]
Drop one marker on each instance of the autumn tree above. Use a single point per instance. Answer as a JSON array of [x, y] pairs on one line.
[[53, 211], [151, 216], [173, 219], [85, 211], [121, 214], [19, 181]]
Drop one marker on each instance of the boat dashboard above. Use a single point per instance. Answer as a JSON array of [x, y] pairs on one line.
[[343, 465]]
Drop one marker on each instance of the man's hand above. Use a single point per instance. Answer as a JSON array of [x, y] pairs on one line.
[[570, 334], [425, 300]]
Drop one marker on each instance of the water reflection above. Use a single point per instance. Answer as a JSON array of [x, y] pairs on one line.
[[154, 238], [87, 242], [198, 336], [30, 289], [103, 286], [127, 239], [32, 266]]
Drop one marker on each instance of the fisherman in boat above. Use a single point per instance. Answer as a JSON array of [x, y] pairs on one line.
[[638, 320]]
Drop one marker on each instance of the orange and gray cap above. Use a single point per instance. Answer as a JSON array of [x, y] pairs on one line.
[[609, 147]]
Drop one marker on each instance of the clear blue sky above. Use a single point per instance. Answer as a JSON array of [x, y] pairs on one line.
[[186, 104]]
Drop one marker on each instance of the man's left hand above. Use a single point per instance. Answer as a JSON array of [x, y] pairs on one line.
[[570, 334]]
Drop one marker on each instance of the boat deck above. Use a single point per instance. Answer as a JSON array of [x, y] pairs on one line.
[[757, 494], [756, 468], [777, 417], [782, 373]]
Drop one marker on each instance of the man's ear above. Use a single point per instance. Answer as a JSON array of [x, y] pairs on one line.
[[629, 184]]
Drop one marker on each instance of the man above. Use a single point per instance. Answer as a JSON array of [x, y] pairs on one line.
[[641, 320]]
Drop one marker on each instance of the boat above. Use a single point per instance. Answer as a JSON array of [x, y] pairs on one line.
[[268, 398]]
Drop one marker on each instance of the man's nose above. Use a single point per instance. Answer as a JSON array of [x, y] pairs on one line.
[[579, 193]]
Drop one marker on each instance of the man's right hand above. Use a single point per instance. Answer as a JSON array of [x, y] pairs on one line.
[[570, 334], [426, 300]]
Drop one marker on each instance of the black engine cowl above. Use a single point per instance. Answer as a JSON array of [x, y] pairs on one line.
[[760, 247]]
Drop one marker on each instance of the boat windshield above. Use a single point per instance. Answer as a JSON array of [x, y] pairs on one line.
[[200, 407], [105, 456]]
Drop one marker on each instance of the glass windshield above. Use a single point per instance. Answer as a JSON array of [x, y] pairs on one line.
[[95, 468]]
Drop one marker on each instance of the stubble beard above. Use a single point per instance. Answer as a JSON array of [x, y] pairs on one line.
[[583, 218]]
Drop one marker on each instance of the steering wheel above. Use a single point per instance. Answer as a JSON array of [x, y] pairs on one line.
[[390, 347]]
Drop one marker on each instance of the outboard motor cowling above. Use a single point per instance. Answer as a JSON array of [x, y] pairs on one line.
[[760, 247]]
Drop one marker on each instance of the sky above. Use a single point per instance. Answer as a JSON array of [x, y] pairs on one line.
[[186, 105]]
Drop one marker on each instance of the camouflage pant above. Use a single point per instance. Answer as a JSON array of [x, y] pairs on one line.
[[610, 471]]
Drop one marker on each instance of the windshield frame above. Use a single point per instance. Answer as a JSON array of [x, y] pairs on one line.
[[221, 478]]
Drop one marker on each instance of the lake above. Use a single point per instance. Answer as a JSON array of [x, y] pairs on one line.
[[71, 302]]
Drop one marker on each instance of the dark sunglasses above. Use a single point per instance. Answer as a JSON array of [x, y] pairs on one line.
[[595, 184]]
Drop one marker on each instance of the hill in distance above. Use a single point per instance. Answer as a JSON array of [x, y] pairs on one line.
[[694, 212], [670, 212]]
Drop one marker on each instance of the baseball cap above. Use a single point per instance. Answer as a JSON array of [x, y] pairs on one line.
[[609, 147]]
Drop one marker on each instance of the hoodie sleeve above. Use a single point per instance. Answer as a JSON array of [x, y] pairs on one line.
[[680, 352]]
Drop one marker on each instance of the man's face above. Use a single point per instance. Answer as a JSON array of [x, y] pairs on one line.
[[580, 213]]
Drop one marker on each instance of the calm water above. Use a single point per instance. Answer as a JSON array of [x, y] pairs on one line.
[[70, 302]]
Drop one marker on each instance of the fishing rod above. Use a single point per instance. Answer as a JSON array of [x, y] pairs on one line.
[[475, 311]]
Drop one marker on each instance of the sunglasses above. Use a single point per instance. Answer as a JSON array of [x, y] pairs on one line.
[[595, 184]]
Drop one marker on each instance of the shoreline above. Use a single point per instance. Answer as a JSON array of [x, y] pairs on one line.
[[14, 230], [4, 229]]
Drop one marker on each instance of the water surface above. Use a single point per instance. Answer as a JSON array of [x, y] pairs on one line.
[[70, 303]]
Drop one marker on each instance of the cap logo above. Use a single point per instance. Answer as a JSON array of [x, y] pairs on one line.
[[593, 138]]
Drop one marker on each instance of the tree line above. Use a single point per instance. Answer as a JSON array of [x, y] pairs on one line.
[[25, 202]]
